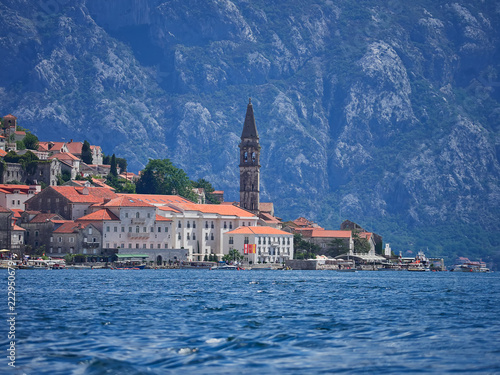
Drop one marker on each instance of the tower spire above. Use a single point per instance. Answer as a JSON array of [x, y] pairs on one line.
[[249, 127]]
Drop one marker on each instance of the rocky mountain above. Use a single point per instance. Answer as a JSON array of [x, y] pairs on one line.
[[384, 113]]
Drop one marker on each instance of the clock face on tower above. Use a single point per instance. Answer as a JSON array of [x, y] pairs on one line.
[[249, 163]]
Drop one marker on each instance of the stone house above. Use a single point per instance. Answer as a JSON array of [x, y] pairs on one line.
[[5, 227], [39, 227], [70, 202], [325, 238], [14, 196], [75, 238]]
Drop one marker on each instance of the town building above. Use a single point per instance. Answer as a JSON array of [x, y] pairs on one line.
[[39, 228], [70, 202], [72, 237], [326, 239], [260, 244], [14, 196]]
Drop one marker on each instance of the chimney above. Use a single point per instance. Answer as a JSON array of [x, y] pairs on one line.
[[85, 191]]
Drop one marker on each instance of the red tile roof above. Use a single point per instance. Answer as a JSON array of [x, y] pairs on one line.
[[100, 215], [20, 132], [323, 233], [43, 218], [17, 212], [215, 209], [168, 208], [18, 228], [156, 200], [258, 230], [127, 201], [70, 227], [64, 156], [9, 116], [2, 153], [5, 210], [74, 147], [268, 218], [303, 222], [76, 194], [161, 218]]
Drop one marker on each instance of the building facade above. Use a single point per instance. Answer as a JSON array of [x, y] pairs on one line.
[[260, 244]]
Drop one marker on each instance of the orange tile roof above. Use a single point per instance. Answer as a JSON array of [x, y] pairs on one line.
[[267, 217], [162, 218], [9, 116], [70, 227], [43, 218], [17, 212], [2, 153], [43, 146], [100, 215], [266, 206], [127, 201], [76, 194], [365, 235], [258, 230], [303, 222], [17, 227], [218, 192], [64, 156], [323, 233], [168, 208], [5, 210], [74, 147], [215, 209], [20, 132], [56, 145], [155, 199]]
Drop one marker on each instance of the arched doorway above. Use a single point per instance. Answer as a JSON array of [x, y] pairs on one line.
[[159, 260]]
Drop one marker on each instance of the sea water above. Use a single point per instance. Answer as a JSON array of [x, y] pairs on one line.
[[253, 322]]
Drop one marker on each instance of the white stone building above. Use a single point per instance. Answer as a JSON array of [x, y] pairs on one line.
[[271, 245]]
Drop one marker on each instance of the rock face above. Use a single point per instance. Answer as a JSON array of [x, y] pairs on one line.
[[384, 114]]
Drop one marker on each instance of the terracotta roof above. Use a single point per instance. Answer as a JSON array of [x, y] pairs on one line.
[[161, 218], [127, 201], [266, 206], [100, 215], [56, 146], [2, 153], [17, 227], [323, 233], [215, 209], [74, 147], [156, 200], [4, 210], [94, 147], [267, 217], [43, 146], [168, 208], [100, 183], [303, 222], [9, 116], [64, 156], [76, 194], [218, 192], [20, 132], [365, 235], [4, 191], [258, 230], [42, 218], [70, 227], [17, 212]]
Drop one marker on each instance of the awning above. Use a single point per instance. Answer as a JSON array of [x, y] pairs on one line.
[[123, 256]]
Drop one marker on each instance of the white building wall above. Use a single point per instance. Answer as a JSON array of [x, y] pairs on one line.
[[270, 248]]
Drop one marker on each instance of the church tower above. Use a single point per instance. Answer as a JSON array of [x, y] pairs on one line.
[[249, 163]]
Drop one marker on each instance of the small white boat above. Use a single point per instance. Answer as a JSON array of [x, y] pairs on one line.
[[225, 267]]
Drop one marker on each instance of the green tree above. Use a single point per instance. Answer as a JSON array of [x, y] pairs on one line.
[[20, 145], [30, 141], [113, 171], [233, 256], [304, 249], [86, 153], [122, 163], [337, 247], [361, 245], [162, 177]]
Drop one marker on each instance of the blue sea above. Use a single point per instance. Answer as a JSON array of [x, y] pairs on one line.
[[253, 322]]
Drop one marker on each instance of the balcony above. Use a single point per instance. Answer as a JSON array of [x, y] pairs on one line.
[[91, 244], [140, 235]]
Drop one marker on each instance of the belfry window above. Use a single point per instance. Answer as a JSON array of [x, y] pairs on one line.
[[245, 156], [253, 156]]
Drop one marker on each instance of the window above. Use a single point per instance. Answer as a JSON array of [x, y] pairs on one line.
[[126, 214], [152, 229], [18, 203], [194, 236], [90, 230], [189, 224], [159, 229], [51, 239], [36, 233], [144, 229], [129, 245], [246, 241], [115, 229], [149, 215], [230, 225], [51, 249], [212, 225], [13, 202], [159, 246], [130, 229], [179, 236], [59, 250], [212, 236], [143, 245], [206, 224], [137, 215], [206, 236], [137, 229], [259, 241], [107, 229], [123, 229], [94, 239], [231, 240], [194, 224], [60, 239], [72, 239], [107, 245], [288, 241], [225, 226], [151, 246], [188, 236], [136, 245], [179, 225]]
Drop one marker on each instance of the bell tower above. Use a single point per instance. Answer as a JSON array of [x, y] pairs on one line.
[[249, 163]]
